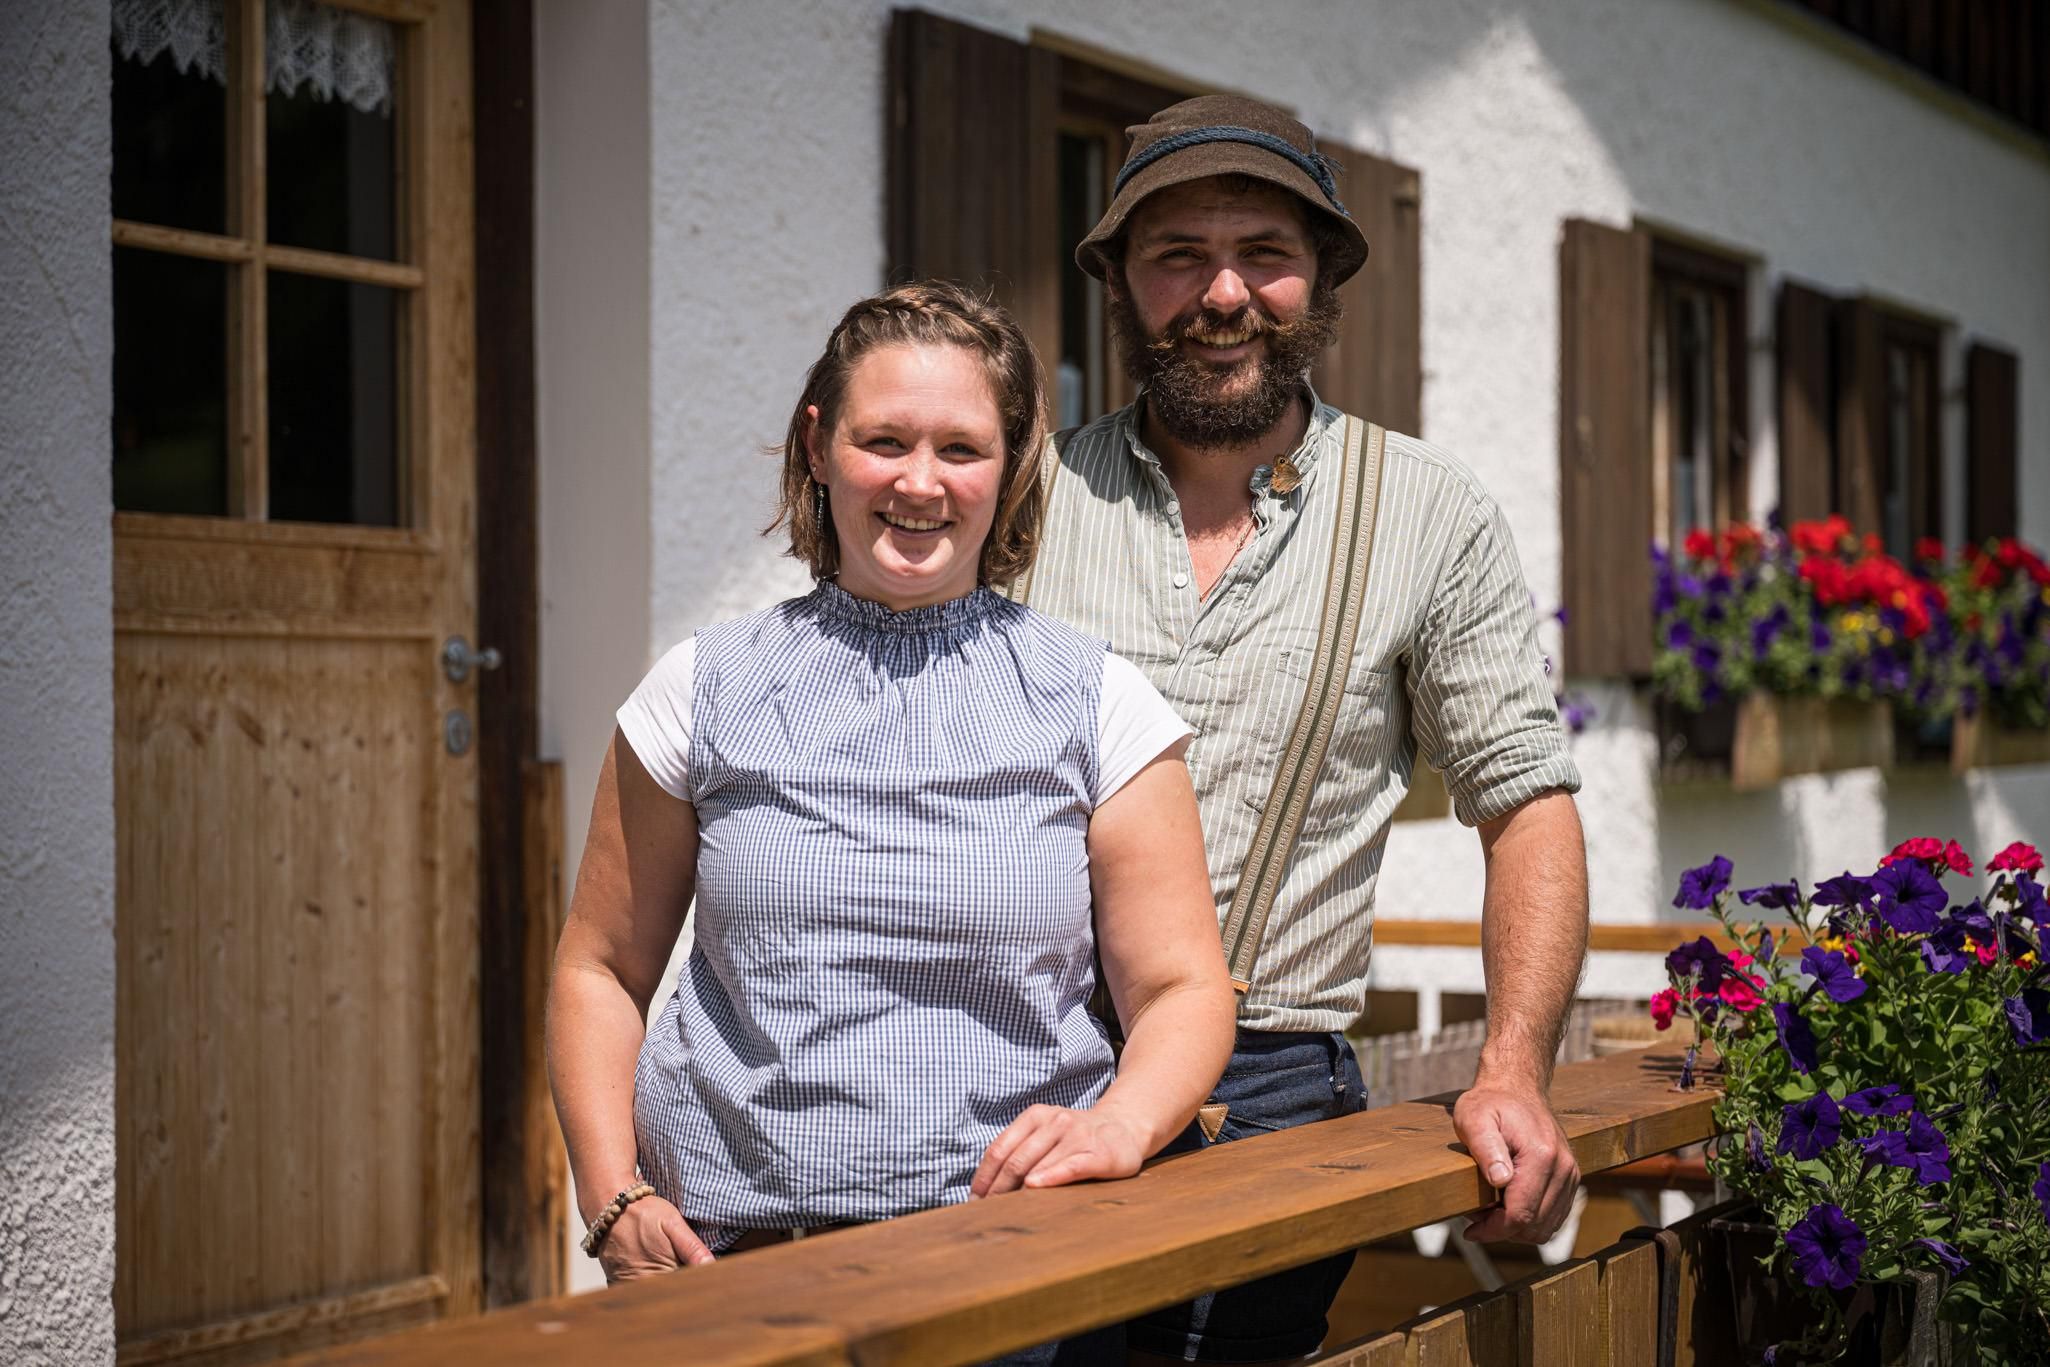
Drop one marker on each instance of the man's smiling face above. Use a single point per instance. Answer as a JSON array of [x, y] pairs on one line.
[[1220, 313]]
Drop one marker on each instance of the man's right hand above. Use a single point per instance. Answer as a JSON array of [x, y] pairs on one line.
[[650, 1236]]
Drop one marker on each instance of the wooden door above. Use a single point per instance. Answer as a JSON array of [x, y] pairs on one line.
[[296, 1027]]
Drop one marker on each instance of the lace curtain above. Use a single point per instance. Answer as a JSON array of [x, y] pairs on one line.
[[335, 54]]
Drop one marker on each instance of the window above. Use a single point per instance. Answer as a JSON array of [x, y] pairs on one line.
[[1654, 434], [1698, 391], [266, 274], [1029, 137]]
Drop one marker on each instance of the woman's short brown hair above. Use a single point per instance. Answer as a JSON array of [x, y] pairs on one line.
[[926, 313]]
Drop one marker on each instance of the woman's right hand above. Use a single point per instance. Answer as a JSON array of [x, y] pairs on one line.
[[650, 1236]]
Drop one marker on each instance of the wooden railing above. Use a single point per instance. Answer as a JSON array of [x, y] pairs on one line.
[[969, 1282]]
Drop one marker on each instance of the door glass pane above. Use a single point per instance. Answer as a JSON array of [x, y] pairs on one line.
[[334, 401], [170, 383], [329, 129], [170, 120]]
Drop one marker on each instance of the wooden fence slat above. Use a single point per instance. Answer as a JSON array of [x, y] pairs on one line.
[[1559, 1315], [1438, 1340], [1629, 1307], [1382, 1350]]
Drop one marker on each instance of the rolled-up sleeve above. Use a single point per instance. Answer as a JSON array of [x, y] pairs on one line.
[[1481, 704]]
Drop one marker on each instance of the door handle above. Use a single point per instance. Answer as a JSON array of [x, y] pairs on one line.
[[457, 659]]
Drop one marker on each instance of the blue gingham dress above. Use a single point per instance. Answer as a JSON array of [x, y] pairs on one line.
[[893, 952]]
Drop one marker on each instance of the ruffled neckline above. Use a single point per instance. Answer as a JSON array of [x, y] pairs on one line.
[[836, 604]]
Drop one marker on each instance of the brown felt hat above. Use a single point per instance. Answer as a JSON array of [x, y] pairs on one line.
[[1222, 135]]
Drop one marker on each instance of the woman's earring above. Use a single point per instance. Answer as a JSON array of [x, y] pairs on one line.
[[818, 504]]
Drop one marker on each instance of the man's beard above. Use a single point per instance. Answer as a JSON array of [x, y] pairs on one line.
[[1186, 395]]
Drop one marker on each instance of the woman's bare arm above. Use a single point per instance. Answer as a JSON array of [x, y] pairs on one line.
[[632, 890], [1156, 928]]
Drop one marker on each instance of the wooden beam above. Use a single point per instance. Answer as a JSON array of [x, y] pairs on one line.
[[1653, 938], [268, 1324], [335, 266], [970, 1282]]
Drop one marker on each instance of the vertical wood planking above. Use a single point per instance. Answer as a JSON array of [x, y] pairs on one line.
[[1860, 413], [1629, 1307], [1604, 438], [248, 327], [1382, 1350], [546, 1189], [1438, 1340], [973, 155], [1375, 368], [1806, 418], [1992, 442], [1559, 1316]]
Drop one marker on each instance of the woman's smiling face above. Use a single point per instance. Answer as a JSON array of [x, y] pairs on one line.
[[913, 468]]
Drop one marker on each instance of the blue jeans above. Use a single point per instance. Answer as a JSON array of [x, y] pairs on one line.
[[1273, 1081]]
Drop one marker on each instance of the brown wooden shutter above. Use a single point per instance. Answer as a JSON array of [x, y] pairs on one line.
[[973, 154], [1860, 413], [1806, 405], [1605, 485], [1375, 370], [1992, 442]]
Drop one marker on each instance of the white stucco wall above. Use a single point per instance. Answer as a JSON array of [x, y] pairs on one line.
[[56, 690], [767, 175]]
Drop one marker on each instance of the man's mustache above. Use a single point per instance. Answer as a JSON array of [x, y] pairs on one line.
[[1248, 320]]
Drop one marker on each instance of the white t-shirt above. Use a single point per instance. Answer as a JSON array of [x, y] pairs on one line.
[[1134, 724]]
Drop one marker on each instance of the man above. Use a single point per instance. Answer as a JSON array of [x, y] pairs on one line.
[[1195, 531]]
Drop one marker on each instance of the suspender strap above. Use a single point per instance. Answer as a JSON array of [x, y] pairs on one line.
[[1352, 546], [1049, 471]]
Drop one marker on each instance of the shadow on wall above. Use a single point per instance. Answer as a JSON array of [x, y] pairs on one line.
[[1819, 826]]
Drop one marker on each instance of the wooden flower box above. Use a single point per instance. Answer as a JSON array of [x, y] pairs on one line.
[[1761, 738], [1427, 799], [1781, 737], [1980, 743]]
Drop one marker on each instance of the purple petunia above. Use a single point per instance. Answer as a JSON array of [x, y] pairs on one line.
[[1699, 886], [1910, 898], [1777, 895], [1844, 891], [1795, 1037], [1809, 1128], [1921, 1148], [1833, 974], [1700, 956], [1754, 1148], [2029, 1014], [1828, 1248], [1886, 1099], [2042, 1190], [1944, 951], [1953, 1261]]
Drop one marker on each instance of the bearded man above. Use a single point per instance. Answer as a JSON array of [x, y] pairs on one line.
[[1197, 531]]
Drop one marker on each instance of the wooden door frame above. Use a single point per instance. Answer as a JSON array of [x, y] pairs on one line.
[[524, 1185]]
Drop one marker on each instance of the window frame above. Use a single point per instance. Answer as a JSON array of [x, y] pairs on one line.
[[249, 256]]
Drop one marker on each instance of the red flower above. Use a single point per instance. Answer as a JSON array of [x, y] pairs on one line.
[[1929, 548], [1739, 537], [1827, 579], [1820, 538], [1699, 544], [1662, 1008], [1740, 992], [1927, 848], [1940, 856], [2019, 857], [1986, 574]]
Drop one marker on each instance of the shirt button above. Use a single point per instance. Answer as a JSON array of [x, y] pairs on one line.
[[1181, 581]]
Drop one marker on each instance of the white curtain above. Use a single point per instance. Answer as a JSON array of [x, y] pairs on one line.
[[334, 54]]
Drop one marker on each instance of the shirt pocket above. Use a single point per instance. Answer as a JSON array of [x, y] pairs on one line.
[[1365, 739]]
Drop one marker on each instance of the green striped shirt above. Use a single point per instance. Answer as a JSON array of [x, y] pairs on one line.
[[1447, 665]]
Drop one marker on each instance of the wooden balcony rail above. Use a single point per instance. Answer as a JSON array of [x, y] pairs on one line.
[[1654, 937], [969, 1282]]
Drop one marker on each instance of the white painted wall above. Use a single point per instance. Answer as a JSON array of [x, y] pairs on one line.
[[1706, 115], [56, 689]]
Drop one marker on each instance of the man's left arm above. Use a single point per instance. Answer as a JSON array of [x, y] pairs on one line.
[[1533, 942], [1483, 713]]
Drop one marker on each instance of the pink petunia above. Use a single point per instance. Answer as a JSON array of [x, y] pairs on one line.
[[2020, 857], [1662, 1007], [1740, 992]]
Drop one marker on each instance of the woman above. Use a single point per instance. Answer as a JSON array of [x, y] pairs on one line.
[[897, 801]]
